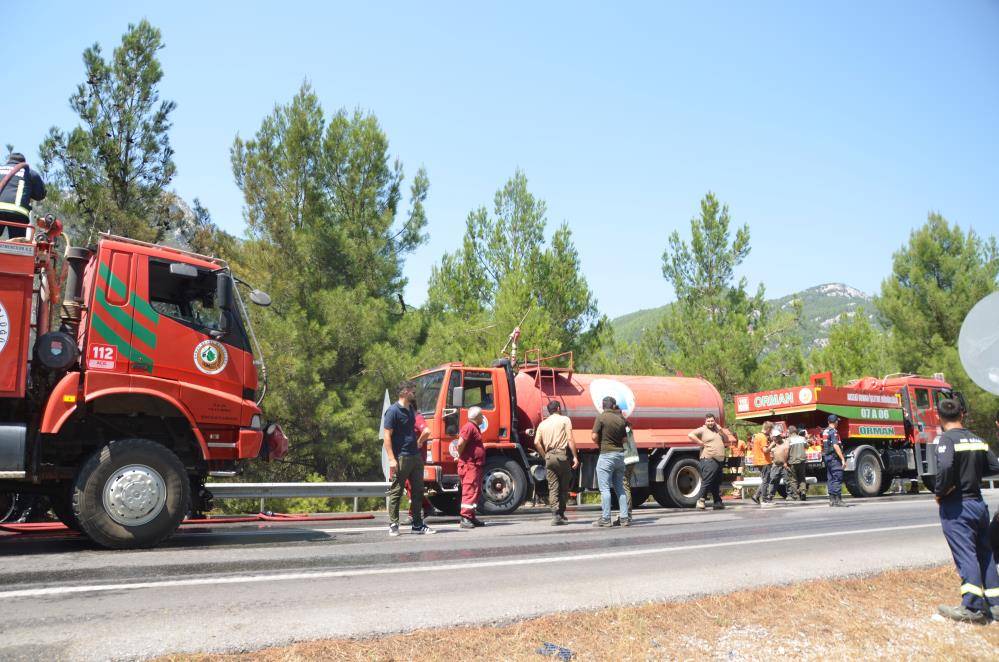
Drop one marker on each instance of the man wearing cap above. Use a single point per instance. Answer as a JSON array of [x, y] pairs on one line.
[[471, 466], [832, 453], [553, 441], [21, 186], [963, 460]]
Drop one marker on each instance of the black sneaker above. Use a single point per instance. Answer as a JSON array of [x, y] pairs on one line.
[[718, 505], [603, 523], [423, 529], [476, 522], [466, 523]]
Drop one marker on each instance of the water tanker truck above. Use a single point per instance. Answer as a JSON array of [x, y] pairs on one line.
[[121, 395], [888, 425], [661, 411]]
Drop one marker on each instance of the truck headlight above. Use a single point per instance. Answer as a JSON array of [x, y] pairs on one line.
[[256, 423]]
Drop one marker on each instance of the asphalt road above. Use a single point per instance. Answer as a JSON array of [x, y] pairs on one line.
[[240, 587]]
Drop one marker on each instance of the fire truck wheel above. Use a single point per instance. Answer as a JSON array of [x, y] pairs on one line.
[[683, 482], [131, 493], [62, 507], [639, 495], [866, 480], [446, 503], [504, 486], [661, 495]]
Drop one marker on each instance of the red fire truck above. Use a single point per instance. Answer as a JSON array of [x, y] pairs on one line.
[[887, 425], [661, 411], [120, 396]]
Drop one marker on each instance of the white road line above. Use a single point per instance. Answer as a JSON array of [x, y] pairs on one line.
[[451, 567]]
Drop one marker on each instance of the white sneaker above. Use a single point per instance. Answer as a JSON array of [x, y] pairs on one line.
[[393, 530]]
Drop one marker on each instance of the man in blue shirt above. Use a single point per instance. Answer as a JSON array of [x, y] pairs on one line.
[[405, 449], [21, 185]]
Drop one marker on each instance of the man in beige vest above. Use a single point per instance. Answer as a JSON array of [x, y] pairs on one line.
[[553, 441]]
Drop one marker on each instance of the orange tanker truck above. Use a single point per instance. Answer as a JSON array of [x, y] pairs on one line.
[[148, 385], [661, 411], [888, 425]]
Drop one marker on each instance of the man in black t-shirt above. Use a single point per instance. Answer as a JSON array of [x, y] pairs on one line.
[[962, 461]]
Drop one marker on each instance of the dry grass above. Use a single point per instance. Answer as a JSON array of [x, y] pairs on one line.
[[886, 616]]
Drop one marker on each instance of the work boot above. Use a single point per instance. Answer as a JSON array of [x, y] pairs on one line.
[[832, 500], [565, 520], [700, 504], [557, 521], [603, 523], [622, 521], [466, 523], [994, 610], [718, 505], [839, 500], [962, 614], [476, 522]]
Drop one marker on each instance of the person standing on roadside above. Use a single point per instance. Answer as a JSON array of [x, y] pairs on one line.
[[738, 451], [471, 466], [405, 450], [797, 456], [963, 460], [610, 431], [553, 441], [832, 453], [761, 458], [711, 438], [778, 467]]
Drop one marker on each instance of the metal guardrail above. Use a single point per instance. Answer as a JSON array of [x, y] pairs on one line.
[[293, 490]]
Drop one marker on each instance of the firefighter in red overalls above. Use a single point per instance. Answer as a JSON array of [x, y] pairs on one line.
[[471, 463]]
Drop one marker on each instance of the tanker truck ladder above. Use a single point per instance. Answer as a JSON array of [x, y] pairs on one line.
[[547, 367]]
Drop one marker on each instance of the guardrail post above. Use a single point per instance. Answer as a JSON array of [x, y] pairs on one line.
[[355, 504], [262, 505]]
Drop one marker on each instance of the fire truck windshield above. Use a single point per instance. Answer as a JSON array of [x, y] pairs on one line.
[[428, 388]]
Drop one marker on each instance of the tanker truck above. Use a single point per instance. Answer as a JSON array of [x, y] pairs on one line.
[[120, 396], [661, 411]]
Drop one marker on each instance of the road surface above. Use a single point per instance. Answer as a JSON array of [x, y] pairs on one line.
[[241, 587]]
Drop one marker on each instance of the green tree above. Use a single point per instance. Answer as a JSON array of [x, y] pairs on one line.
[[506, 274], [111, 171], [323, 201], [716, 328], [856, 348], [936, 279]]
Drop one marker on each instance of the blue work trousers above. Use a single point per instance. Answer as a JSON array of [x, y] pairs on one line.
[[834, 476], [610, 476], [965, 525]]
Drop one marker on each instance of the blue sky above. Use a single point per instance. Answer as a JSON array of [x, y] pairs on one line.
[[830, 128]]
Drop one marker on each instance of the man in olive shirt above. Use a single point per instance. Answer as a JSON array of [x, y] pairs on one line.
[[553, 441], [711, 438], [610, 430]]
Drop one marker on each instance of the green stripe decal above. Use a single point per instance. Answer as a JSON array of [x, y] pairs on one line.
[[135, 356], [138, 331], [116, 284], [142, 307], [864, 413]]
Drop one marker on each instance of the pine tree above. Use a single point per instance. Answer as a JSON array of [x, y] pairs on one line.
[[111, 171]]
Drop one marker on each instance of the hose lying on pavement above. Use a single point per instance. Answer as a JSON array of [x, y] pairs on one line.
[[51, 527]]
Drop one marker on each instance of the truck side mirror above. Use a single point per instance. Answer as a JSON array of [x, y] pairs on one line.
[[458, 396], [223, 291]]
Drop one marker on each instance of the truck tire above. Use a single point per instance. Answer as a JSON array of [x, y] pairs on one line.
[[639, 495], [131, 493], [866, 480], [683, 482], [62, 508], [504, 486], [661, 495], [446, 503]]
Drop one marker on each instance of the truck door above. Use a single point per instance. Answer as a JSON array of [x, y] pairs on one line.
[[924, 418], [480, 391], [111, 346]]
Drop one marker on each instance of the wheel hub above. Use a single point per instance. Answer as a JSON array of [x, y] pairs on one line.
[[499, 486], [689, 481], [134, 495], [867, 474]]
